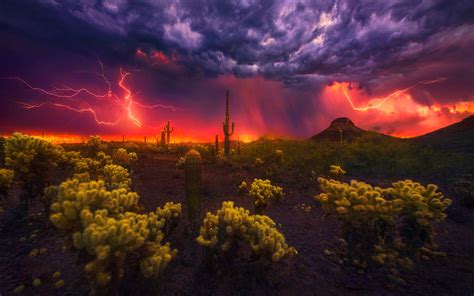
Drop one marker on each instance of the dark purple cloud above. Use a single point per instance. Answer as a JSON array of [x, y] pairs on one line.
[[381, 46]]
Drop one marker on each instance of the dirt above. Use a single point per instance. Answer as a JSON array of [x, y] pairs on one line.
[[310, 272]]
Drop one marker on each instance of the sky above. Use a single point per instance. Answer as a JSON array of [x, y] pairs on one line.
[[116, 67]]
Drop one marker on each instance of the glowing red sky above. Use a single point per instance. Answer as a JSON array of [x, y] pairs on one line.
[[383, 65]]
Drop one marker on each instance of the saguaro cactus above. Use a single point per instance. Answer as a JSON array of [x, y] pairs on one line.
[[192, 165], [168, 132], [163, 139], [226, 127]]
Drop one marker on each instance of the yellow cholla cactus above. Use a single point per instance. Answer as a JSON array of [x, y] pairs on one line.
[[229, 225], [243, 186], [122, 157], [116, 177], [368, 217], [107, 226], [336, 171], [70, 157], [74, 197], [422, 207], [104, 159], [111, 239], [426, 204], [263, 191], [6, 179], [357, 199], [29, 155], [94, 144], [158, 258]]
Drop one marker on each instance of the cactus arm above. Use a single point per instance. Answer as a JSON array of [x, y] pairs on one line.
[[172, 129], [232, 129]]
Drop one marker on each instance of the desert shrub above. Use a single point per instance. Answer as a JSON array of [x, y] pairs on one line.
[[32, 159], [131, 146], [368, 218], [422, 208], [206, 151], [116, 177], [368, 155], [263, 192], [107, 226], [231, 226], [6, 180], [124, 158], [94, 145]]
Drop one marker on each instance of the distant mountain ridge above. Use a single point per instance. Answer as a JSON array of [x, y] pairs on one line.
[[345, 128], [455, 137]]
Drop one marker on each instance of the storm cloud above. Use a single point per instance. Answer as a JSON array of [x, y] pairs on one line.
[[305, 46]]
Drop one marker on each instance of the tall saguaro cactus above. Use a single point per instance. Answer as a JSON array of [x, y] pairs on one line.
[[226, 127], [192, 166], [168, 132]]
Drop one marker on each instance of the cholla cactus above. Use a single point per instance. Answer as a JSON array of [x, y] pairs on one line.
[[122, 157], [70, 157], [116, 177], [31, 159], [94, 143], [104, 158], [6, 179], [106, 225], [243, 187], [368, 217], [263, 191], [112, 240], [75, 196], [422, 207], [222, 232], [85, 167], [336, 171]]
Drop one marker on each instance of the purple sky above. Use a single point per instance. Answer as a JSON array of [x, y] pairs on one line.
[[288, 64]]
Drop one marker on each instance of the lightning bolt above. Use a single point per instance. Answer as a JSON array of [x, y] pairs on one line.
[[78, 110], [125, 100], [378, 102]]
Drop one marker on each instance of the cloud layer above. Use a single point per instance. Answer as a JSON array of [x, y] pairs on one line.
[[290, 53]]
